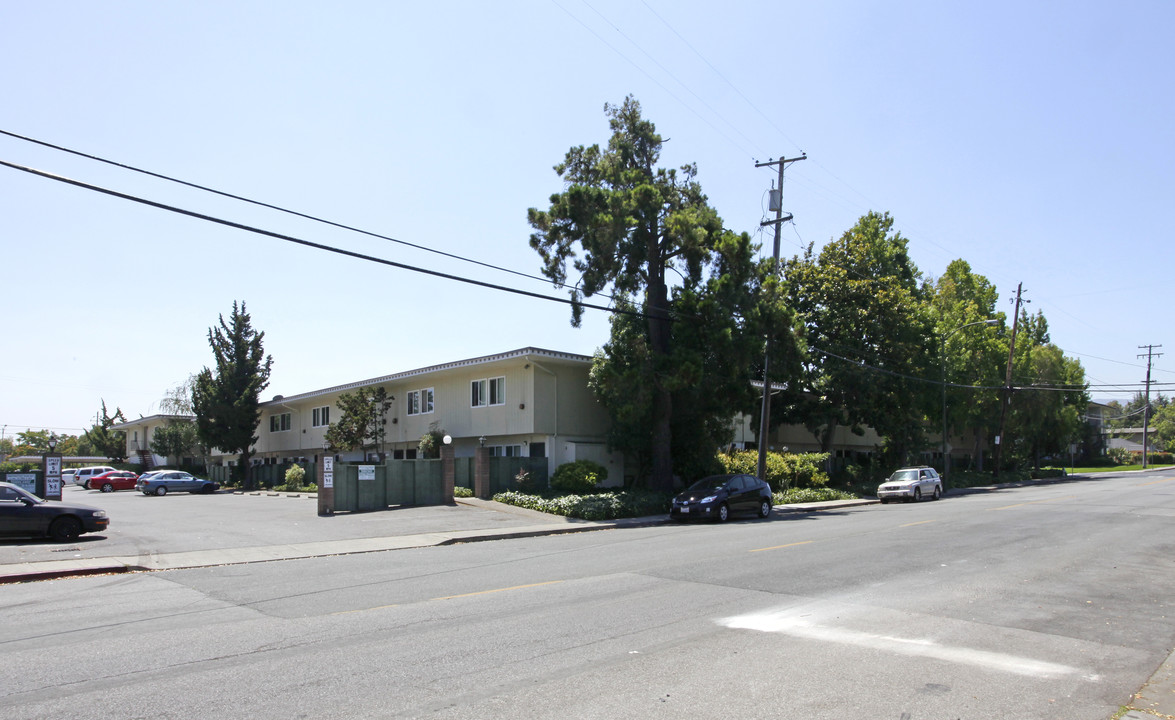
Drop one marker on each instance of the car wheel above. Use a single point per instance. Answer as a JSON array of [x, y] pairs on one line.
[[764, 509], [161, 490], [937, 491], [107, 487], [883, 501], [723, 512], [917, 494], [86, 485], [208, 489], [65, 529]]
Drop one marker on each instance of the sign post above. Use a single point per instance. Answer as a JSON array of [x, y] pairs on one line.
[[326, 484], [51, 464]]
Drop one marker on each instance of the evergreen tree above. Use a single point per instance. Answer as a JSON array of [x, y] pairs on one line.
[[226, 399]]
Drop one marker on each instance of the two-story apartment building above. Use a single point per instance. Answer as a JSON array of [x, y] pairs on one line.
[[527, 402]]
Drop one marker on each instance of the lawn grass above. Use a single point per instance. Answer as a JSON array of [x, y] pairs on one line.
[[1115, 468]]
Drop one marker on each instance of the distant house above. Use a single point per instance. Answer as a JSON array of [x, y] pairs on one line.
[[138, 439], [1128, 438]]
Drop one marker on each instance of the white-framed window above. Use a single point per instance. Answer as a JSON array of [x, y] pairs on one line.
[[505, 451], [320, 416], [487, 392], [279, 423], [420, 402]]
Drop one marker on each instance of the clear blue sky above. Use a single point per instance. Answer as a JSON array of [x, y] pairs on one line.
[[1033, 140]]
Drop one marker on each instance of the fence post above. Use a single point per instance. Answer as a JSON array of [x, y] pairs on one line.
[[448, 474], [481, 473]]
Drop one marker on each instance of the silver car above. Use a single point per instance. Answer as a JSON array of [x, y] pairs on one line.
[[173, 481], [911, 485]]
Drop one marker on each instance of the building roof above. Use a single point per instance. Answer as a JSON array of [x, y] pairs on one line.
[[130, 424], [471, 362]]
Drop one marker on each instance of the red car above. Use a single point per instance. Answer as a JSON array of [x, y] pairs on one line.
[[112, 480]]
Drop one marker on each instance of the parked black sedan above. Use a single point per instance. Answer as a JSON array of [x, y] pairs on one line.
[[23, 514], [719, 496]]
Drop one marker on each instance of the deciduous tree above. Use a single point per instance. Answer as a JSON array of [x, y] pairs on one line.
[[363, 420], [972, 353], [175, 439], [869, 328]]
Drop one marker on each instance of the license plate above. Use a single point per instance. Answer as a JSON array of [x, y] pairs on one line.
[[684, 509]]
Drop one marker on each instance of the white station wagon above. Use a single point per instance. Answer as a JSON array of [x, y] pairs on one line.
[[911, 484]]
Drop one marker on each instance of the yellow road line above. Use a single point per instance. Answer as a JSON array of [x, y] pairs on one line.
[[920, 522], [1034, 502], [778, 547], [487, 592], [1155, 482], [378, 607], [451, 597]]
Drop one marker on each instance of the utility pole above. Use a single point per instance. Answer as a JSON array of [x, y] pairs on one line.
[[999, 439], [1146, 409], [765, 411]]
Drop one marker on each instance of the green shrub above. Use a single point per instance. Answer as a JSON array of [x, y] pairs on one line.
[[579, 477], [1047, 473], [462, 492], [598, 506], [1121, 456], [1159, 458], [807, 495], [523, 482], [973, 478], [788, 470], [295, 474]]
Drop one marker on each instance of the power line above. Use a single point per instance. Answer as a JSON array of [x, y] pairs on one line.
[[278, 208], [318, 246]]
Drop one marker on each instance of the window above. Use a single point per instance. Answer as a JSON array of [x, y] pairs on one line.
[[505, 451], [420, 402], [320, 416], [279, 423], [488, 392]]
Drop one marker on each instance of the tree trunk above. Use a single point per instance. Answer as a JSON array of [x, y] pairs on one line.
[[659, 343], [246, 469]]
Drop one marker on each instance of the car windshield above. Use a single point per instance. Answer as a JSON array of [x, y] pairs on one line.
[[904, 476], [710, 483]]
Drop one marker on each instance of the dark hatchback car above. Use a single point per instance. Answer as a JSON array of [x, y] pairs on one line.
[[23, 514], [719, 496]]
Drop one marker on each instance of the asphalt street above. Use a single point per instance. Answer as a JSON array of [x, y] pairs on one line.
[[1050, 601]]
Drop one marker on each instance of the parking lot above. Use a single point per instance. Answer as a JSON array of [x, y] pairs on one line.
[[144, 526]]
